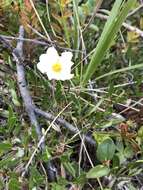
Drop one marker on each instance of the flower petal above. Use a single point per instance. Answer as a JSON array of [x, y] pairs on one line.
[[66, 56], [42, 67], [53, 76], [63, 75], [50, 58], [51, 51], [43, 58], [65, 62], [67, 77]]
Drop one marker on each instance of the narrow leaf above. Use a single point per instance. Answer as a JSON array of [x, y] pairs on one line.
[[112, 26], [98, 171]]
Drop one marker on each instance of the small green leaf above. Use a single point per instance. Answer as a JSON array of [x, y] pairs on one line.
[[128, 152], [36, 178], [98, 171], [56, 186], [100, 137], [14, 184], [106, 150], [115, 161], [46, 155], [14, 97], [1, 184], [70, 168], [140, 132], [5, 147], [7, 162]]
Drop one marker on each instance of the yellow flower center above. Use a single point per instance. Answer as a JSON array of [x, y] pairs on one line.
[[57, 67]]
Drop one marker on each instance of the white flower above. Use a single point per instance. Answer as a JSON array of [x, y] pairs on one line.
[[55, 66]]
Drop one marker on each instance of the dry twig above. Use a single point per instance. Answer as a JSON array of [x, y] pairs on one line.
[[40, 42], [126, 25], [65, 124], [28, 103]]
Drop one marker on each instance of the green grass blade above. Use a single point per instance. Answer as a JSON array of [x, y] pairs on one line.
[[112, 26], [137, 66], [113, 14]]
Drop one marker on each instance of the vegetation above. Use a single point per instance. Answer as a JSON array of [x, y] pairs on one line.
[[79, 134]]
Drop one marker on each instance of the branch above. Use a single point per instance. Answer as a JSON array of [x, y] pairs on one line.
[[6, 43], [28, 100], [28, 103], [40, 42], [65, 124], [22, 84]]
